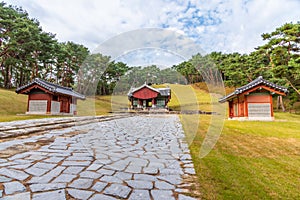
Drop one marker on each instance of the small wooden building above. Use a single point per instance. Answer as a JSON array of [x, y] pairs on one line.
[[49, 98], [254, 100], [146, 97]]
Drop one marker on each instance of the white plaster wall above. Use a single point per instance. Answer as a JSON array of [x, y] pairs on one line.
[[37, 107], [259, 110], [72, 108], [55, 107]]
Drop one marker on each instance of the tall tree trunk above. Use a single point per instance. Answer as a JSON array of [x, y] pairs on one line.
[[280, 103], [3, 74], [21, 78], [6, 77]]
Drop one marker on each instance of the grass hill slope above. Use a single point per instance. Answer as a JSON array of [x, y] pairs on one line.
[[12, 104]]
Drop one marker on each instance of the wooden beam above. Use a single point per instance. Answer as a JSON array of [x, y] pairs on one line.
[[27, 90], [264, 87]]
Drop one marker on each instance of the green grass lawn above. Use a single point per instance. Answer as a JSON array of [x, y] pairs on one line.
[[94, 106], [12, 103], [251, 160], [188, 97]]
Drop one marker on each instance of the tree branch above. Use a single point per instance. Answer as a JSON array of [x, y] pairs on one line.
[[293, 86]]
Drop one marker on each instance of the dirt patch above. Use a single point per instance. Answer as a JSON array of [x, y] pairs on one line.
[[20, 148], [73, 133], [191, 186]]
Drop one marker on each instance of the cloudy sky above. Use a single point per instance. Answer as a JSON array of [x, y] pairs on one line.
[[215, 25]]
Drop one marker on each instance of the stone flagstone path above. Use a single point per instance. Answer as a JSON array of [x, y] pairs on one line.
[[141, 157]]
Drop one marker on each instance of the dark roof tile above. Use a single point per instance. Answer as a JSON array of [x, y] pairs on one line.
[[253, 84], [52, 88], [161, 91]]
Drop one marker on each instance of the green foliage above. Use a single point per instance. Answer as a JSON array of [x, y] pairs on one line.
[[26, 52], [189, 71], [137, 76], [278, 61], [90, 73], [282, 50]]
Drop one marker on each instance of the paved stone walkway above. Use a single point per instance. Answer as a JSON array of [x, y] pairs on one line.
[[26, 127], [140, 157]]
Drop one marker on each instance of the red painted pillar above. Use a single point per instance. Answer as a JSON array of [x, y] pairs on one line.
[[229, 109], [28, 103], [246, 106], [238, 106], [49, 99], [271, 104]]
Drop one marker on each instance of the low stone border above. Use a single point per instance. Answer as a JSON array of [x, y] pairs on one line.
[[26, 127]]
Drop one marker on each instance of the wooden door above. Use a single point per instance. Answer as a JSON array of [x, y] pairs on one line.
[[64, 105]]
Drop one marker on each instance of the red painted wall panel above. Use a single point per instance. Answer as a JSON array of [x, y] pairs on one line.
[[145, 93], [258, 99], [39, 97], [46, 96]]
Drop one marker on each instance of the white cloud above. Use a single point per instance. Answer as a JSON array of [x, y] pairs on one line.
[[249, 20], [150, 56], [218, 25]]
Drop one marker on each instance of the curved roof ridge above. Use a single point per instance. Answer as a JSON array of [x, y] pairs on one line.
[[145, 85], [52, 87], [162, 91], [259, 80], [53, 84]]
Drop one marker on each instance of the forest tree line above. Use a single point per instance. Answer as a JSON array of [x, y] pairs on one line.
[[28, 52]]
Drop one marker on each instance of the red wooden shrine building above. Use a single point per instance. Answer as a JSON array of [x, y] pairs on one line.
[[49, 98], [146, 97], [254, 100]]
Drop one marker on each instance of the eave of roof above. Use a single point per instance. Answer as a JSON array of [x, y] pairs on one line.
[[251, 85], [52, 88], [161, 91], [164, 91], [133, 90]]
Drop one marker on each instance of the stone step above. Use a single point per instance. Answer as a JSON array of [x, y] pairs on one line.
[[12, 131]]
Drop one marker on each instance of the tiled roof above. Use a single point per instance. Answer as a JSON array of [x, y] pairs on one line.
[[52, 88], [161, 91], [164, 91], [252, 84]]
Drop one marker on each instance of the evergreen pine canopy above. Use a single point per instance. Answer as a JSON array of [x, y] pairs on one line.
[[27, 52]]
